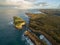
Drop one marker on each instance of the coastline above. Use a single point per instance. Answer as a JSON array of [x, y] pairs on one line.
[[46, 35], [36, 26], [33, 38]]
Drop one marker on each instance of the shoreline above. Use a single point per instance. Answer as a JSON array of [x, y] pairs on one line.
[[33, 38], [35, 22], [47, 36]]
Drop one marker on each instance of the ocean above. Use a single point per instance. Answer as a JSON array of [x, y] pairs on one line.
[[9, 35]]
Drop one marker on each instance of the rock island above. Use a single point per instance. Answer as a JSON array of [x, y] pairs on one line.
[[18, 22]]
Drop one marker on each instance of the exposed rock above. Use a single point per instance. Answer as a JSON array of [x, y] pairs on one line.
[[33, 38], [18, 22]]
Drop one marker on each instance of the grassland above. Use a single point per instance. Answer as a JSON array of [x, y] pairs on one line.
[[46, 24]]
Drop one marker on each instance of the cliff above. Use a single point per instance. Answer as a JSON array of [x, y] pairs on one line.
[[48, 25], [33, 38]]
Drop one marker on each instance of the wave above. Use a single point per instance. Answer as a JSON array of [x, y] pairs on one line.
[[27, 40], [44, 39], [10, 23]]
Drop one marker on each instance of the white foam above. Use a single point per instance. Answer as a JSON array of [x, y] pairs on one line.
[[28, 41], [10, 23], [44, 39], [23, 37], [41, 36]]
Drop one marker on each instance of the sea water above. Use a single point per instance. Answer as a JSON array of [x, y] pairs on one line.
[[9, 35]]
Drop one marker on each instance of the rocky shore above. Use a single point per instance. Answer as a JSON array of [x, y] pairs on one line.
[[33, 38], [45, 24]]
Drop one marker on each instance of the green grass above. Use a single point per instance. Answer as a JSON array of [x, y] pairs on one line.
[[50, 24]]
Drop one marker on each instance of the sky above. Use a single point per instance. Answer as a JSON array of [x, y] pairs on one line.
[[33, 4]]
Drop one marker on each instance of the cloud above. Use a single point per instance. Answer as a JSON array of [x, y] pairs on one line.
[[22, 4], [28, 4], [43, 3], [25, 5], [32, 5], [31, 0]]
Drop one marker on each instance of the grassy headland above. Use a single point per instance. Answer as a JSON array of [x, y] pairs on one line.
[[48, 25]]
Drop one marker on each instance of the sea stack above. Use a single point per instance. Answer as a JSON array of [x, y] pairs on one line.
[[18, 22]]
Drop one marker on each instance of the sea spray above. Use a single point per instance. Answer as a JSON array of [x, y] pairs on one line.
[[10, 23], [27, 40], [44, 39]]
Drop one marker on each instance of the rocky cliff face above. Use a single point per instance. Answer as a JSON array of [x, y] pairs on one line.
[[48, 25]]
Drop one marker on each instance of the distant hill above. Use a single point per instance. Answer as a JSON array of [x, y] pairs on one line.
[[51, 11]]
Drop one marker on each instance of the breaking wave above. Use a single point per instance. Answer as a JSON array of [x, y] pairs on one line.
[[27, 40], [10, 23], [44, 39]]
